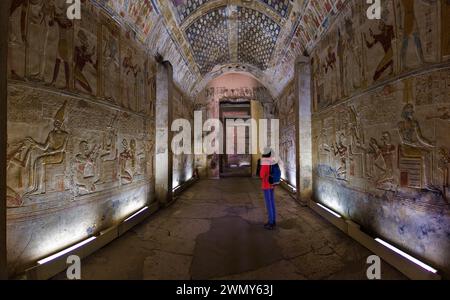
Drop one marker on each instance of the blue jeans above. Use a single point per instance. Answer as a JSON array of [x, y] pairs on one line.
[[270, 205]]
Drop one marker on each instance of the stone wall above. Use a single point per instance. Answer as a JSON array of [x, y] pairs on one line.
[[285, 112], [183, 164], [381, 148], [80, 127]]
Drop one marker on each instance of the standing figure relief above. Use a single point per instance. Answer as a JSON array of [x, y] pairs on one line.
[[384, 38], [82, 56]]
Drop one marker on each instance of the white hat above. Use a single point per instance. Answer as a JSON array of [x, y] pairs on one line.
[[267, 150]]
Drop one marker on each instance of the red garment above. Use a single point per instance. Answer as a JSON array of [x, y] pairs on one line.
[[265, 173]]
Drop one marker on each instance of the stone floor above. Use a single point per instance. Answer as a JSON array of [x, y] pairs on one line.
[[214, 231]]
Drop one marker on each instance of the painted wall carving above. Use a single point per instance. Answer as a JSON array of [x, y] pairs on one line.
[[285, 112], [80, 127], [381, 154]]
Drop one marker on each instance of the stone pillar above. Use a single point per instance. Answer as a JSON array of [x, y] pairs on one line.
[[257, 114], [303, 108], [4, 17], [163, 122]]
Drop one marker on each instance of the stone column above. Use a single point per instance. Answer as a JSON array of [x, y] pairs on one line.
[[257, 114], [4, 22], [303, 110], [163, 114]]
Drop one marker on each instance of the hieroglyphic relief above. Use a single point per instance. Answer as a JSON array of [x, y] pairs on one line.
[[111, 60], [390, 137], [378, 38], [350, 50], [39, 41], [47, 48], [326, 72], [30, 161], [364, 52], [95, 55], [74, 150], [68, 167], [285, 112], [131, 69], [85, 52], [418, 32]]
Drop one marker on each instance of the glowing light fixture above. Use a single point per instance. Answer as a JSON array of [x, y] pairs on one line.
[[330, 211], [407, 256], [65, 251], [289, 185], [136, 213]]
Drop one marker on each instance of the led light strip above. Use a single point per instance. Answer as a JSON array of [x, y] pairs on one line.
[[407, 256], [65, 251], [330, 211], [135, 214], [289, 185]]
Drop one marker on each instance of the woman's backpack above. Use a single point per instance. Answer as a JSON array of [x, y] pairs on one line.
[[275, 174]]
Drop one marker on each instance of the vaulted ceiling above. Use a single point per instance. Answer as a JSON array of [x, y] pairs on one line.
[[206, 38]]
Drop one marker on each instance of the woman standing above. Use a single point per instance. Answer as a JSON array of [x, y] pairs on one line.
[[266, 163]]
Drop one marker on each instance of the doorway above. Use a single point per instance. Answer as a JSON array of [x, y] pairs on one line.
[[237, 163]]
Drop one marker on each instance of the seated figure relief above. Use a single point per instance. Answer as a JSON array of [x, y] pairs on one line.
[[50, 152], [415, 152]]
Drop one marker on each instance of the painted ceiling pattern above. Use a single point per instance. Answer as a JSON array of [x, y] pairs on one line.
[[282, 7], [257, 37], [201, 37], [208, 37]]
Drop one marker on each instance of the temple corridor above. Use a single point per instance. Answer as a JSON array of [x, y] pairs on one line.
[[215, 231], [135, 135]]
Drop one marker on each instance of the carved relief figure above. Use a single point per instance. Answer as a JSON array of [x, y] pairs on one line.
[[340, 150], [131, 70], [350, 59], [111, 65], [330, 74], [23, 5], [356, 147], [324, 147], [41, 15], [17, 162], [82, 56], [415, 152], [86, 167], [384, 38], [51, 152], [382, 159], [18, 21], [411, 30], [109, 153], [128, 161], [63, 53]]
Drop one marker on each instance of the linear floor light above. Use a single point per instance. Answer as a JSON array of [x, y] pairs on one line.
[[330, 211], [407, 256], [135, 214], [65, 251]]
